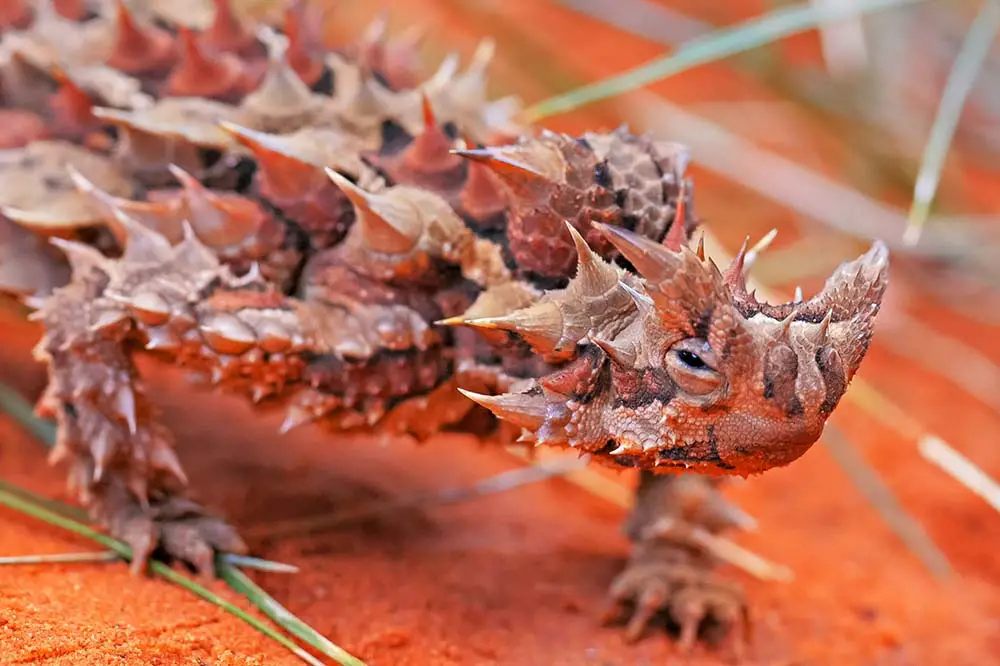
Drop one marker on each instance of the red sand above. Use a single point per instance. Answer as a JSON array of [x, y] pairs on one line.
[[512, 579], [518, 578]]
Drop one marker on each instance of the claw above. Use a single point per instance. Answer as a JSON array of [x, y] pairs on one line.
[[142, 544], [125, 404], [646, 606], [688, 613]]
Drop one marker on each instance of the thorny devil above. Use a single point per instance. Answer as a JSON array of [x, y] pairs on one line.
[[313, 226]]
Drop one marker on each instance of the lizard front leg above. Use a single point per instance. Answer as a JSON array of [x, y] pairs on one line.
[[179, 302], [670, 570], [121, 459]]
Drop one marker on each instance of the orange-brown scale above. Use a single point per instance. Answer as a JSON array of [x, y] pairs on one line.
[[74, 10], [386, 378], [482, 202], [72, 111], [250, 234], [425, 160], [300, 193], [322, 212], [18, 128], [147, 52], [201, 73], [579, 379], [396, 63], [226, 34], [15, 15], [307, 64], [223, 339], [329, 274], [403, 365], [620, 180], [521, 207]]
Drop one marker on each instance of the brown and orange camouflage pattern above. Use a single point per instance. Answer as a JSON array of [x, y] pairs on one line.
[[323, 228]]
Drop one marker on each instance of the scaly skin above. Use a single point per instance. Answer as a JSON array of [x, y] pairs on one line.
[[308, 227]]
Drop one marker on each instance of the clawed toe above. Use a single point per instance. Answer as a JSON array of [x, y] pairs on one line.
[[175, 529], [195, 541], [693, 599]]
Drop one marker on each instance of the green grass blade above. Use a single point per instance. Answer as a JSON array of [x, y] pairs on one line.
[[720, 44], [969, 61], [21, 411], [17, 503], [72, 519], [65, 510], [258, 564], [62, 558], [240, 582]]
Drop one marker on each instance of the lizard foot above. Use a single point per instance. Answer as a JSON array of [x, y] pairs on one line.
[[664, 577], [170, 528]]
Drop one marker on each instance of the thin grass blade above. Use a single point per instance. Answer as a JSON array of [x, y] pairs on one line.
[[258, 564], [21, 411], [56, 513], [960, 468], [62, 558], [968, 63], [240, 582], [17, 503], [878, 493], [720, 44]]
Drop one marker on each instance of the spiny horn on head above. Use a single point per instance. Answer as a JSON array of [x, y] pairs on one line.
[[685, 290], [676, 237], [735, 276], [562, 318]]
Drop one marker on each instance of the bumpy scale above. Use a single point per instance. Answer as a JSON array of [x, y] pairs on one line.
[[315, 227]]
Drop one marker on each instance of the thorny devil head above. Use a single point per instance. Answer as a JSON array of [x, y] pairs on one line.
[[680, 367]]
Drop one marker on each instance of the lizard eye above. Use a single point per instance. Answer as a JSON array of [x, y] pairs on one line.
[[690, 364], [690, 359]]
